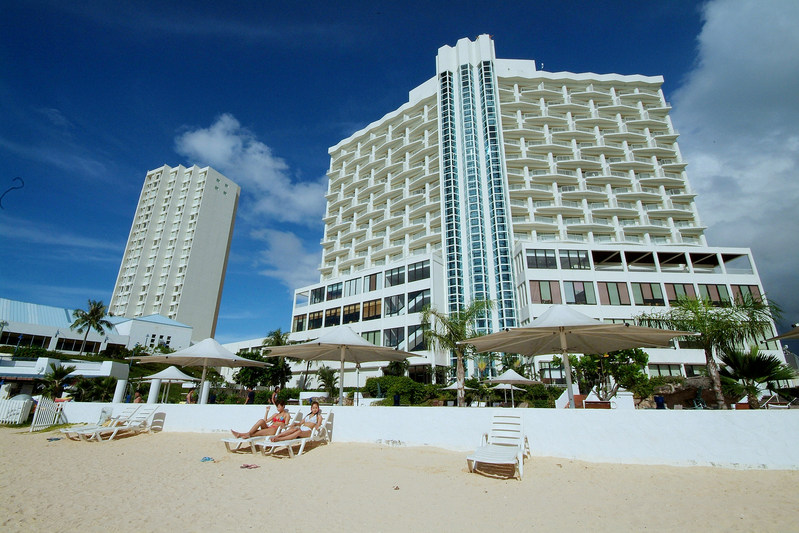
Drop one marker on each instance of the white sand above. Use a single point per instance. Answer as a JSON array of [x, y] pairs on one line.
[[157, 482]]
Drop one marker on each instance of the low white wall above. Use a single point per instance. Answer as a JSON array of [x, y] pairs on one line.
[[732, 439]]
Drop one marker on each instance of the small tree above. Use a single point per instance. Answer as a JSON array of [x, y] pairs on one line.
[[327, 376], [446, 330], [57, 379], [251, 376], [93, 319], [277, 337], [719, 327], [606, 373], [747, 373]]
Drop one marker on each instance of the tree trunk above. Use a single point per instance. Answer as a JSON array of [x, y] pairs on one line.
[[715, 378], [460, 376], [83, 345]]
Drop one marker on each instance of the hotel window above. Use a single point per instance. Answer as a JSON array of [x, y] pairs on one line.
[[418, 300], [574, 259], [317, 295], [371, 310], [372, 336], [299, 323], [541, 259], [416, 341], [395, 276], [352, 313], [315, 320], [334, 291], [333, 317], [394, 305], [551, 374], [545, 292], [647, 294], [740, 292], [664, 370], [717, 294], [393, 337], [418, 271], [579, 292], [613, 293], [352, 287], [695, 370], [371, 282], [675, 291]]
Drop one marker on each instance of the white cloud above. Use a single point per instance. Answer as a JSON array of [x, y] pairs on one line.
[[286, 259], [737, 113], [268, 190]]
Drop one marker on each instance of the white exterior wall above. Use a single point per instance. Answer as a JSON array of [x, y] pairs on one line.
[[175, 259], [653, 437]]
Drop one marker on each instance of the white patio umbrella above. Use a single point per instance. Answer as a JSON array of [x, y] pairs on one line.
[[169, 375], [205, 353], [793, 334], [509, 378], [342, 344], [561, 329], [454, 386]]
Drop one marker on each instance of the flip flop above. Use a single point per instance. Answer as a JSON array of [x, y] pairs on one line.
[[51, 439], [249, 467], [206, 459]]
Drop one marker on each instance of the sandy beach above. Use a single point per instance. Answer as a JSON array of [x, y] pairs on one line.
[[158, 482]]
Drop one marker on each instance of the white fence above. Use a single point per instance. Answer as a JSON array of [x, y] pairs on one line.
[[15, 411], [47, 414]]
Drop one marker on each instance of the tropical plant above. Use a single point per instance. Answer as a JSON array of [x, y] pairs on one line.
[[327, 376], [511, 361], [92, 319], [57, 379], [719, 328], [606, 373], [396, 368], [445, 331], [747, 373], [277, 337], [252, 376]]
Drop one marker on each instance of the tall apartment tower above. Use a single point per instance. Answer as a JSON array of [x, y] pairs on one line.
[[500, 181], [177, 251]]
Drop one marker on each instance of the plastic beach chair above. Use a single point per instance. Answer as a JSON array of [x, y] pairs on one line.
[[105, 420], [318, 434], [139, 422], [233, 444], [504, 444]]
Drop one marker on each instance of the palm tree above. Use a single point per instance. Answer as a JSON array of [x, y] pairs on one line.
[[57, 379], [748, 371], [277, 337], [327, 376], [93, 319], [446, 331], [719, 328]]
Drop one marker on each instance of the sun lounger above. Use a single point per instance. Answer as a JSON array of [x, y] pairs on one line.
[[105, 420], [234, 444], [139, 422], [319, 434], [504, 444]]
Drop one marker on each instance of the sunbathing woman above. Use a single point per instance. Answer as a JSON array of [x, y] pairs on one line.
[[267, 427], [303, 429]]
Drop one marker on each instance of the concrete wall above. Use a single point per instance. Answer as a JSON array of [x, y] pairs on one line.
[[732, 439]]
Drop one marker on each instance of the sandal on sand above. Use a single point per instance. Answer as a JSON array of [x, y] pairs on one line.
[[250, 467]]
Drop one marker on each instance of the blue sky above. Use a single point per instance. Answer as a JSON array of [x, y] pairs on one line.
[[95, 94]]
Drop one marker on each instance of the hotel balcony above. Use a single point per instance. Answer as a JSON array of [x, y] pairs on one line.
[[528, 160], [545, 91], [592, 93], [613, 207], [590, 192], [664, 136], [573, 131], [601, 148], [547, 117], [534, 190], [557, 175], [648, 120], [630, 163], [625, 134], [564, 207], [668, 180], [589, 223], [570, 105], [578, 160], [619, 106], [637, 193], [672, 165], [613, 177], [549, 146], [654, 149], [597, 119], [525, 106]]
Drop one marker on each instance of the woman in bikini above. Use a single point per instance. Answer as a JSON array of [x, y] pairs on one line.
[[303, 429], [267, 426]]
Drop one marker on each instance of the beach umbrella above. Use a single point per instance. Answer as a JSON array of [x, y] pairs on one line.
[[505, 387], [169, 375], [454, 386], [510, 377], [561, 329], [793, 334], [341, 344], [205, 353]]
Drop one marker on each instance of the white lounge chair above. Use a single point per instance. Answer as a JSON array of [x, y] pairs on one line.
[[234, 444], [318, 434], [504, 444], [106, 420], [139, 422]]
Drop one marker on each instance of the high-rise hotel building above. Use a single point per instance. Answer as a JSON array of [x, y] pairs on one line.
[[500, 181], [177, 251]]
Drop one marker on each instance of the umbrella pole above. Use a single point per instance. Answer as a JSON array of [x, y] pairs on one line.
[[512, 402], [341, 378], [202, 384], [567, 368]]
